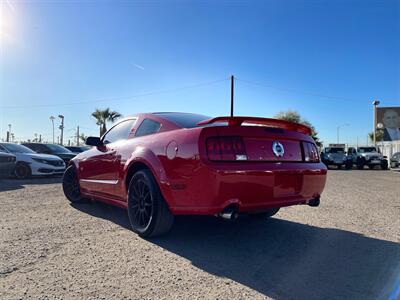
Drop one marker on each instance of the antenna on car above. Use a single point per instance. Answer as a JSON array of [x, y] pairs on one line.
[[232, 82]]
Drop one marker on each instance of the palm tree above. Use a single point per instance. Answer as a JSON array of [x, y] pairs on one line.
[[103, 116], [83, 137]]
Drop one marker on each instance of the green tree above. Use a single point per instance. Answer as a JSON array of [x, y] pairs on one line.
[[379, 136], [103, 116], [295, 117]]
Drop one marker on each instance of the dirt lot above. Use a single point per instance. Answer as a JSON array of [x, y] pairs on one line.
[[348, 248]]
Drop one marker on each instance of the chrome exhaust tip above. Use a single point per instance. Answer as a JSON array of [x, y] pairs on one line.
[[229, 214]]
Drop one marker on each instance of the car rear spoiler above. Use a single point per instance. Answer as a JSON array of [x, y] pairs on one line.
[[238, 121]]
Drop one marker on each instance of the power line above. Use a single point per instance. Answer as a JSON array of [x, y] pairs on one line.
[[120, 98], [299, 91]]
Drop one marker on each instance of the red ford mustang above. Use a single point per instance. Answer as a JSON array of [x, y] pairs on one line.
[[158, 165]]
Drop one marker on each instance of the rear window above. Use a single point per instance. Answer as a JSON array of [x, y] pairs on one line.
[[335, 150], [183, 120], [366, 149]]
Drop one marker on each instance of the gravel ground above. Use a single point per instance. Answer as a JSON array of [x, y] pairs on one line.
[[348, 248]]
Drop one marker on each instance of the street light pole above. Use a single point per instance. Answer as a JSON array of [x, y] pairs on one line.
[[375, 103], [62, 129], [337, 131], [52, 122]]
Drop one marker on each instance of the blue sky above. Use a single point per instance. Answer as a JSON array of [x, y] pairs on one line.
[[56, 54]]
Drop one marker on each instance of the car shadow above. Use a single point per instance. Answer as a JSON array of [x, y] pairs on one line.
[[280, 259], [16, 184]]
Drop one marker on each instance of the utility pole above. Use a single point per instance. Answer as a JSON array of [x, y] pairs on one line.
[[77, 136], [52, 122], [62, 129], [232, 88], [40, 138], [9, 133], [375, 103], [337, 132]]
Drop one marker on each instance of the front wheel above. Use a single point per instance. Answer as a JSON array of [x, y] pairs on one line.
[[360, 164], [71, 186], [148, 213], [384, 166], [22, 171]]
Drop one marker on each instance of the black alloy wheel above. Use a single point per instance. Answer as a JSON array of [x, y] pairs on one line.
[[148, 213], [71, 186]]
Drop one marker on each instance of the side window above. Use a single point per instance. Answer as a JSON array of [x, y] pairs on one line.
[[41, 149], [119, 132], [147, 127], [34, 147], [2, 149]]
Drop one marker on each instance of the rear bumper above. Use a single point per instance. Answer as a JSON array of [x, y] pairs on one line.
[[250, 187]]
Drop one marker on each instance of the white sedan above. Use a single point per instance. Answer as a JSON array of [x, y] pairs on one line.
[[30, 163]]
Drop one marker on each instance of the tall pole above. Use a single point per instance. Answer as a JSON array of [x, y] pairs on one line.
[[77, 136], [62, 129], [9, 133], [52, 122], [375, 103], [337, 134], [232, 87], [337, 131]]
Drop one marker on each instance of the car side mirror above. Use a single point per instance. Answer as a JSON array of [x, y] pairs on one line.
[[94, 141]]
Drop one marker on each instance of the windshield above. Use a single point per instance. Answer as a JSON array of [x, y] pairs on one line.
[[335, 150], [184, 120], [57, 148], [366, 149], [15, 148]]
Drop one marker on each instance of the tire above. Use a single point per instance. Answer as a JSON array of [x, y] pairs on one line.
[[384, 166], [265, 214], [148, 212], [349, 166], [22, 171], [360, 164], [71, 186]]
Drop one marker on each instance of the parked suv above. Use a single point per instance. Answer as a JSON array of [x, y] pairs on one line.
[[336, 156], [367, 156]]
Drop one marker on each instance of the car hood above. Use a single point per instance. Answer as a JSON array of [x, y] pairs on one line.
[[371, 154]]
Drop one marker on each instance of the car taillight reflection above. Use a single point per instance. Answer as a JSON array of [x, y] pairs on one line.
[[226, 148]]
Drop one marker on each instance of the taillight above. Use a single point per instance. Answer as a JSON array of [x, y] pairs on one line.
[[226, 148], [310, 152]]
